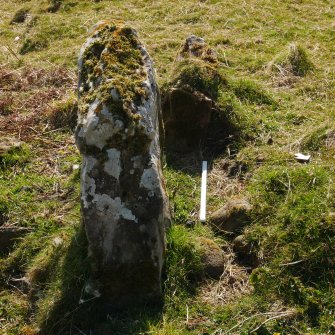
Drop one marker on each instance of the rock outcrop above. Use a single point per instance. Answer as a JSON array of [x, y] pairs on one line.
[[124, 204]]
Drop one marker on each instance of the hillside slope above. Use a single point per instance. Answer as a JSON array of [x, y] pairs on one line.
[[284, 282]]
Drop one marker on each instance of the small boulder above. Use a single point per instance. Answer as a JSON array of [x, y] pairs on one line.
[[244, 251], [241, 245], [213, 260], [232, 217], [8, 236]]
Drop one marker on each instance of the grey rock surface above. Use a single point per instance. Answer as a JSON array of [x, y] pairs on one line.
[[241, 245], [124, 204]]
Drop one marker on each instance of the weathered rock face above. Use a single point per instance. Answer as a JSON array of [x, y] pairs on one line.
[[124, 205], [191, 116]]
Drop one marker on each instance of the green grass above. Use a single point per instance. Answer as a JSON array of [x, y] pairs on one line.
[[278, 113]]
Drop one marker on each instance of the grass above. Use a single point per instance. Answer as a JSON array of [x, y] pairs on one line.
[[280, 113]]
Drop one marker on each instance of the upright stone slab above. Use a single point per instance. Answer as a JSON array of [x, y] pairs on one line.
[[124, 204], [192, 117]]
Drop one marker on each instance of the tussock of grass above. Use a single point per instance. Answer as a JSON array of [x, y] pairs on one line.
[[54, 5], [63, 114], [249, 91], [183, 263], [36, 43], [20, 16], [320, 140], [295, 62]]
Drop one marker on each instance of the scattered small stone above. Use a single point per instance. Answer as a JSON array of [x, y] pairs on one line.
[[302, 158], [236, 169], [240, 245], [244, 251], [212, 259], [57, 241], [232, 217], [75, 167]]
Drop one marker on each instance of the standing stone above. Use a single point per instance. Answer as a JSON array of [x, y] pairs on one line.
[[192, 117], [124, 204]]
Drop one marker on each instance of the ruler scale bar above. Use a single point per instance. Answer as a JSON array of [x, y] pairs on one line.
[[202, 215]]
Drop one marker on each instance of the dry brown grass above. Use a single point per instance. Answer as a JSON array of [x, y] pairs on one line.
[[220, 185], [232, 285], [27, 94]]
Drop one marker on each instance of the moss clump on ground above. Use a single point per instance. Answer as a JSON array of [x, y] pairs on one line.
[[20, 16], [54, 5], [295, 62], [113, 62], [15, 156], [36, 43]]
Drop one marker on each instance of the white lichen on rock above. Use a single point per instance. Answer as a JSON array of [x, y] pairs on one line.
[[150, 177], [113, 165], [112, 208]]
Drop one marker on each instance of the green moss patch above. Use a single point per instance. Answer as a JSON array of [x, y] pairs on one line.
[[199, 76], [113, 62], [16, 156], [294, 230]]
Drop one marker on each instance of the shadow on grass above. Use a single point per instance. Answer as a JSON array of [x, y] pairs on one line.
[[189, 163], [68, 316]]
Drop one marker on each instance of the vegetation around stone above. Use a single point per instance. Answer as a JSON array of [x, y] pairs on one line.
[[282, 100]]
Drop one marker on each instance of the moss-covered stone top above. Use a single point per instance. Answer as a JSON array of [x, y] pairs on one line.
[[196, 47], [197, 68], [111, 70], [196, 75]]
